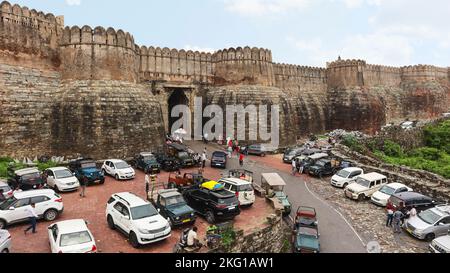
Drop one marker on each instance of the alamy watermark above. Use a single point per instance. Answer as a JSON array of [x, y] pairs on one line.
[[262, 121]]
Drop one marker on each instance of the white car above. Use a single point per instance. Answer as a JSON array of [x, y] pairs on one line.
[[137, 219], [241, 188], [48, 206], [7, 191], [382, 196], [118, 169], [71, 236], [440, 245], [346, 177], [61, 179], [5, 241], [365, 185]]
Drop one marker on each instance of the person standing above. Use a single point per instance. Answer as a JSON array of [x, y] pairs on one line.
[[32, 216], [390, 217], [412, 213], [147, 182], [204, 158], [294, 167], [83, 184], [241, 159], [397, 221]]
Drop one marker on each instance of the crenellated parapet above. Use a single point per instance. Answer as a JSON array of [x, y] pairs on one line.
[[294, 77], [245, 54], [345, 73], [422, 73], [175, 65]]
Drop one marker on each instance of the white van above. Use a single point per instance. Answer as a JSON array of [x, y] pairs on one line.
[[365, 186], [241, 188]]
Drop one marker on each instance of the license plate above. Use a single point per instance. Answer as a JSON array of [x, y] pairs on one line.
[[186, 221], [231, 208]]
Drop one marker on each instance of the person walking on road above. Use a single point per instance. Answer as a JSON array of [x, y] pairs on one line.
[[390, 217], [241, 160], [83, 184], [398, 216], [32, 216]]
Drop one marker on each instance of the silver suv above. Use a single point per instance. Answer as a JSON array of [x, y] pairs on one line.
[[430, 224]]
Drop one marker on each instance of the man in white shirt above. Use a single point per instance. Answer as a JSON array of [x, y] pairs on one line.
[[192, 239], [204, 158], [32, 215]]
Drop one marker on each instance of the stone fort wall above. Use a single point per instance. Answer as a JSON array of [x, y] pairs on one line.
[[47, 62]]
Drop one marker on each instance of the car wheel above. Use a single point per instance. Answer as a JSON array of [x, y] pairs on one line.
[[134, 241], [50, 215], [361, 197], [111, 224], [116, 177], [210, 217], [2, 224], [5, 251], [430, 237], [345, 185]]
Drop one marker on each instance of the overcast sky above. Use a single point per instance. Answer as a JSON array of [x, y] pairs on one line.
[[304, 32]]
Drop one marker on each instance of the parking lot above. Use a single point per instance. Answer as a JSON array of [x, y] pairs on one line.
[[92, 209]]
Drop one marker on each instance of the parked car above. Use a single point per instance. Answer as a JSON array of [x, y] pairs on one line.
[[137, 219], [118, 169], [291, 153], [241, 188], [365, 185], [307, 240], [429, 224], [306, 153], [27, 179], [71, 236], [172, 206], [48, 206], [382, 196], [440, 245], [255, 149], [405, 201], [61, 179], [214, 204], [323, 167], [219, 160], [87, 169], [274, 185], [345, 177], [5, 241], [187, 180], [168, 163], [147, 162], [311, 160], [241, 174], [7, 191], [305, 217], [180, 153]]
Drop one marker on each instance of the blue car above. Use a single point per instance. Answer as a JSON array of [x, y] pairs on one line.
[[87, 168]]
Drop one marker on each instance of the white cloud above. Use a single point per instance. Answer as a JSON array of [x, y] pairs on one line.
[[200, 49], [73, 2], [264, 7]]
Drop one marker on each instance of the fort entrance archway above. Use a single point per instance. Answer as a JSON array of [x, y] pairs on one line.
[[177, 96]]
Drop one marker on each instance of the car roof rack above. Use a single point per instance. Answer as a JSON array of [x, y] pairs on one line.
[[123, 199]]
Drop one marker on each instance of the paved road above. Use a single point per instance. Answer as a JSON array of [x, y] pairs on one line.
[[337, 236]]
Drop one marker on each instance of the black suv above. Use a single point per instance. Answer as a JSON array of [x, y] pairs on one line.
[[87, 168], [405, 201], [167, 163], [27, 179], [321, 168], [180, 153], [146, 162], [213, 205], [219, 160]]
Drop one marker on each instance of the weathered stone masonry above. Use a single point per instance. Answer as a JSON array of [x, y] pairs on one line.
[[93, 91]]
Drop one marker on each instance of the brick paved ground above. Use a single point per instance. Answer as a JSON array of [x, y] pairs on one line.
[[92, 209]]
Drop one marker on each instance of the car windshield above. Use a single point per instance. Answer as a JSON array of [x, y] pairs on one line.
[[122, 165], [31, 176], [142, 212], [88, 165], [8, 203], [175, 201], [363, 182], [429, 217], [245, 187], [321, 164], [343, 174], [387, 190], [183, 155], [76, 238], [279, 194], [149, 158], [63, 174]]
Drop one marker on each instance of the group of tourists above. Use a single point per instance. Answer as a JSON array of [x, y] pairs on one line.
[[396, 219]]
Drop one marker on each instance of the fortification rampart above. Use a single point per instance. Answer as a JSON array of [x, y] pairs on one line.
[[423, 73], [175, 65], [294, 77]]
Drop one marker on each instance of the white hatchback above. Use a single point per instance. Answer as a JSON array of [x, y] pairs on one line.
[[118, 169], [382, 196], [61, 179], [241, 188], [71, 236], [346, 177]]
